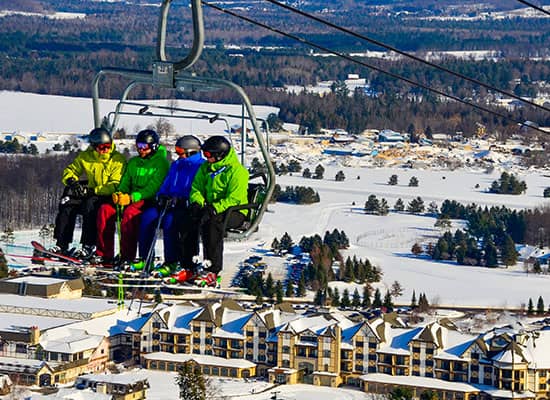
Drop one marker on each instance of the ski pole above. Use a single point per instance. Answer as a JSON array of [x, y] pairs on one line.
[[118, 227], [151, 251]]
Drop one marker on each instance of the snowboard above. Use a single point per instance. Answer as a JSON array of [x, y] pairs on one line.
[[62, 257]]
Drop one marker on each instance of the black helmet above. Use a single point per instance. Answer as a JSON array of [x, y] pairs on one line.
[[150, 137], [190, 143], [99, 136], [217, 146]]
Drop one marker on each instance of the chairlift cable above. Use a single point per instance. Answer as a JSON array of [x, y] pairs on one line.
[[403, 53], [354, 60], [541, 9]]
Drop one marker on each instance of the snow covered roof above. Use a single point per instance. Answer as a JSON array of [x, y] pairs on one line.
[[84, 307], [418, 381], [200, 359], [399, 342], [12, 322], [124, 378], [69, 341], [71, 394]]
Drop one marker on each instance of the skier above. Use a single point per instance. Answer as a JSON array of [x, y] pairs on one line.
[[220, 183], [139, 184], [174, 197], [103, 167]]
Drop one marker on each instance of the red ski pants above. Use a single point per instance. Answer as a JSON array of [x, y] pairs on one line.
[[129, 230]]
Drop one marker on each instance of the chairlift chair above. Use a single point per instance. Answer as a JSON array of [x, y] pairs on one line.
[[172, 75]]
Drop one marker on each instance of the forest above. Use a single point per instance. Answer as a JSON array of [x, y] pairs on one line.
[[61, 56]]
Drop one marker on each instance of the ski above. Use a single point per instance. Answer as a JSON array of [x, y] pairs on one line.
[[62, 257]]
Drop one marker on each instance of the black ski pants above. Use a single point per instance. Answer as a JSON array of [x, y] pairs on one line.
[[210, 229], [65, 220]]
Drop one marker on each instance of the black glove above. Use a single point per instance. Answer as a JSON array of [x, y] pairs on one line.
[[164, 201], [195, 210], [209, 211], [78, 189]]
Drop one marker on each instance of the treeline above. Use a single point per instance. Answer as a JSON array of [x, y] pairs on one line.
[[30, 189]]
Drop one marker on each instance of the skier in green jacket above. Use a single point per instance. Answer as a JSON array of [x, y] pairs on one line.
[[142, 179], [220, 183], [102, 167]]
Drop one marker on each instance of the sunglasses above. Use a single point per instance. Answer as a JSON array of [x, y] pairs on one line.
[[103, 147], [142, 146]]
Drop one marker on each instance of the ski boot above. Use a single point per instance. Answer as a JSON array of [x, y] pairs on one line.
[[210, 279], [182, 276], [166, 269]]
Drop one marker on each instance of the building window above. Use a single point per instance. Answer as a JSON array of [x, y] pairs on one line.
[[286, 349]]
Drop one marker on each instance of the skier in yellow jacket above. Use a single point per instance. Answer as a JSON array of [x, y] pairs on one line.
[[102, 167]]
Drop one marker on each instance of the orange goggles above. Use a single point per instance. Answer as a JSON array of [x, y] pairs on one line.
[[180, 151], [103, 147]]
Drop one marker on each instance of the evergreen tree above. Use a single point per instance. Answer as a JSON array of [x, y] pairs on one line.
[[393, 180], [508, 253], [356, 299], [530, 307], [335, 298], [279, 292], [340, 177], [345, 301], [377, 302], [302, 286], [433, 208], [383, 209], [387, 300], [416, 206], [372, 205], [318, 299], [413, 300], [269, 288], [306, 173], [401, 393], [399, 205], [429, 395], [413, 182], [490, 251], [289, 292], [275, 246], [4, 270], [537, 269], [365, 302], [319, 172], [286, 242], [540, 306], [191, 382]]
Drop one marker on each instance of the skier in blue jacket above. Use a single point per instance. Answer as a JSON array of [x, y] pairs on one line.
[[173, 196]]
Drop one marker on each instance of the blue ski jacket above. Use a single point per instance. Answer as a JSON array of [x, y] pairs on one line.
[[180, 177]]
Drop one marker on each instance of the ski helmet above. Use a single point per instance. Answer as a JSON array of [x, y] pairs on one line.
[[149, 137], [217, 146], [99, 136], [190, 143]]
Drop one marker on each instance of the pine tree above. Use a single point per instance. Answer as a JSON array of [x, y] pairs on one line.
[[490, 251], [413, 182], [377, 302], [366, 297], [393, 180], [269, 288], [302, 286], [289, 292], [540, 306], [319, 172], [335, 297], [530, 307], [508, 253], [286, 242], [356, 299], [191, 382], [345, 301], [340, 177], [275, 245], [399, 205], [413, 300], [387, 300], [306, 173], [279, 292], [372, 205], [383, 208]]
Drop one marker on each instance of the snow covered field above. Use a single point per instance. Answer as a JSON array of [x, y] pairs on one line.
[[385, 240]]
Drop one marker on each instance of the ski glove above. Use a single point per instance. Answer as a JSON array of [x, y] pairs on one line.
[[122, 199], [164, 201], [209, 212], [78, 188]]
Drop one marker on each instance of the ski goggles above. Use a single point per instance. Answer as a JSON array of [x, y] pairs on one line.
[[180, 151], [208, 154], [103, 147], [142, 146]]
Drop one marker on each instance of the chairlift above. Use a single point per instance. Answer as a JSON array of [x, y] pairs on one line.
[[172, 75]]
